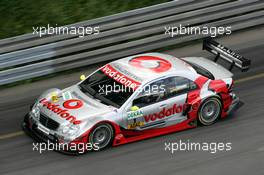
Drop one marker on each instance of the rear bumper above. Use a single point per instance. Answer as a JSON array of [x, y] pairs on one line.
[[236, 104]]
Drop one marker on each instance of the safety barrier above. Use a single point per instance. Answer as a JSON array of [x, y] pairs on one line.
[[141, 30]]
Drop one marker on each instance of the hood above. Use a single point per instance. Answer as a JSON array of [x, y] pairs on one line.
[[71, 105], [218, 71]]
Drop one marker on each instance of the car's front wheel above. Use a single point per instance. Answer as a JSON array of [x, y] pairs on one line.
[[101, 136], [209, 111]]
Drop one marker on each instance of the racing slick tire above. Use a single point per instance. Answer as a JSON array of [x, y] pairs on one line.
[[102, 136], [209, 111]]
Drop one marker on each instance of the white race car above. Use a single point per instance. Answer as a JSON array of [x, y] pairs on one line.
[[138, 97]]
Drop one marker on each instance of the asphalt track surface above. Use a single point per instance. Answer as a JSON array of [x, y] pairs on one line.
[[244, 130]]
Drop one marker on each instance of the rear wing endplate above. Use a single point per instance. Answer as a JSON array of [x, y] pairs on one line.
[[226, 54]]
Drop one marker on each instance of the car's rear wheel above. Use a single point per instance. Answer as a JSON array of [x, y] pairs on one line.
[[101, 136], [209, 111]]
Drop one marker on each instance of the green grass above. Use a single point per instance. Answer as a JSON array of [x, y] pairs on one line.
[[19, 16]]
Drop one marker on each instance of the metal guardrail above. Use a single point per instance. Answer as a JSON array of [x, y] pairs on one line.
[[28, 56]]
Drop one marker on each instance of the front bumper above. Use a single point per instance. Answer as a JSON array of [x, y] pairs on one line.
[[31, 129]]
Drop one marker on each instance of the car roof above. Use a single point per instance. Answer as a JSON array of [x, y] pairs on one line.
[[148, 66]]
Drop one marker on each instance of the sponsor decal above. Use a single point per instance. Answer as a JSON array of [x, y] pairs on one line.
[[121, 69], [73, 104], [152, 63], [134, 114], [229, 51], [124, 80], [63, 113], [166, 112], [134, 125], [66, 95]]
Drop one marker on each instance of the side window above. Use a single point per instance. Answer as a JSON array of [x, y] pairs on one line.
[[179, 85], [162, 90], [151, 93]]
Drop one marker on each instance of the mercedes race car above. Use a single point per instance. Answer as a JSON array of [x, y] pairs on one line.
[[138, 97]]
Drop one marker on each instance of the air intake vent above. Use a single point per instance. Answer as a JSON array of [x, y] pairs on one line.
[[49, 123]]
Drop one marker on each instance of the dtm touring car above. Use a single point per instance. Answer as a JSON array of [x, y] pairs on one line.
[[138, 97]]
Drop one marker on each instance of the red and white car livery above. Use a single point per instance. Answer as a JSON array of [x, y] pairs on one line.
[[138, 97]]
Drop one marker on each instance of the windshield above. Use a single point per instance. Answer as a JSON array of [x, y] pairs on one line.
[[106, 89]]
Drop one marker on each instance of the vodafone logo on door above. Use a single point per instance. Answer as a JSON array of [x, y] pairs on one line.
[[166, 112]]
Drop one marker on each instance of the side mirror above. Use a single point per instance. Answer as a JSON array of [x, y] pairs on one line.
[[82, 77]]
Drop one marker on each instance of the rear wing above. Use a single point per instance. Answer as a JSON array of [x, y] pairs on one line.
[[226, 54]]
